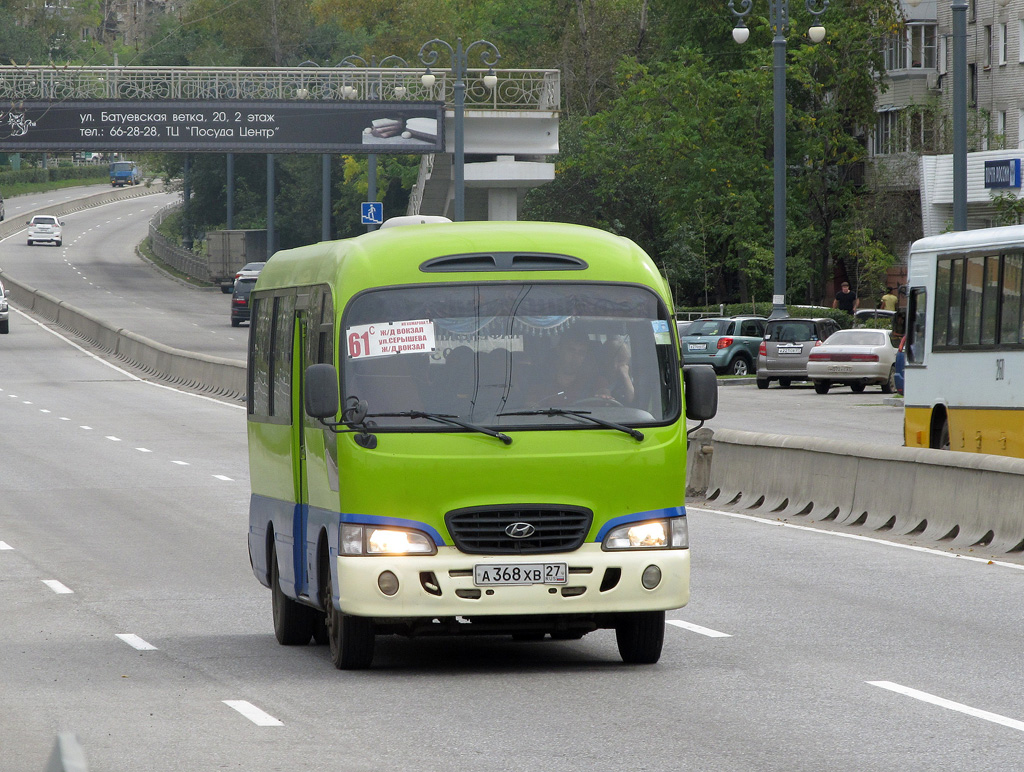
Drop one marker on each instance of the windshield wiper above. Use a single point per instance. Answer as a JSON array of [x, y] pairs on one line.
[[636, 434], [444, 418]]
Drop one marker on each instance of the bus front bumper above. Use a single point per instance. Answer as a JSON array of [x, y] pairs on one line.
[[443, 585]]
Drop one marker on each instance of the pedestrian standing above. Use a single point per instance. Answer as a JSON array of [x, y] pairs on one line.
[[846, 300]]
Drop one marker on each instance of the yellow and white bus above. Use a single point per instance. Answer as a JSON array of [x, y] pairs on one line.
[[965, 342]]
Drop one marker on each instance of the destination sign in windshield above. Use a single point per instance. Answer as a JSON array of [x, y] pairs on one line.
[[222, 127]]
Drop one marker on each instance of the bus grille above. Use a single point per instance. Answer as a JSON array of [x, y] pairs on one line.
[[486, 530]]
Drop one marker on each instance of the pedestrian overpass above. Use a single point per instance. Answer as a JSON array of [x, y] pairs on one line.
[[511, 130]]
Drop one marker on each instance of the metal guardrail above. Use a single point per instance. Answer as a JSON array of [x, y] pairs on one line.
[[180, 259], [515, 90]]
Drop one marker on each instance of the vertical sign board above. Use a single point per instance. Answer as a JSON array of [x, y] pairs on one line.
[[223, 126], [1002, 174]]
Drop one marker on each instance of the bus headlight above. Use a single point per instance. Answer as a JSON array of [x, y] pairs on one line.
[[373, 540], [650, 534]]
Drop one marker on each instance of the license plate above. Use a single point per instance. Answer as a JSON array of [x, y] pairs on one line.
[[790, 349], [490, 574], [840, 368], [696, 346]]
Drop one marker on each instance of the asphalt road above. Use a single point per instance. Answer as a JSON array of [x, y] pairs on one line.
[[798, 410], [123, 512], [97, 270], [133, 497]]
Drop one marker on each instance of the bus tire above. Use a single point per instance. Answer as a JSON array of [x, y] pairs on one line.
[[943, 435], [350, 639], [293, 622], [640, 636]]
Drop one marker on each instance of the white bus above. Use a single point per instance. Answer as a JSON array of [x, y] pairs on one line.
[[964, 387]]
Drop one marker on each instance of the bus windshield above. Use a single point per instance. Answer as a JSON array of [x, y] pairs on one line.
[[511, 354]]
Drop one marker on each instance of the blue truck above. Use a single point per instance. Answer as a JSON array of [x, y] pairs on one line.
[[124, 173]]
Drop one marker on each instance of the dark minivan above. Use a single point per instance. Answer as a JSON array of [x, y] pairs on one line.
[[240, 299], [786, 346]]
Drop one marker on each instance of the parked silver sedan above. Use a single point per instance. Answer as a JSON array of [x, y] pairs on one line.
[[855, 358]]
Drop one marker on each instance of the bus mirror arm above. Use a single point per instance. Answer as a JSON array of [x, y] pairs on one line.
[[320, 395]]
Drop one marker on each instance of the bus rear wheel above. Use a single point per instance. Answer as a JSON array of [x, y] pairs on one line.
[[640, 636], [350, 639], [293, 622]]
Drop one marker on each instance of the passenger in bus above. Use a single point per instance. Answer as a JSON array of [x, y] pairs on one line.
[[616, 370]]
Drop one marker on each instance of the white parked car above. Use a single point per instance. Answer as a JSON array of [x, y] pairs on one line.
[[855, 358], [5, 312], [44, 227]]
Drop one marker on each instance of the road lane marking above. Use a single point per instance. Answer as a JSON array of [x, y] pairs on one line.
[[181, 463], [144, 450], [254, 714], [995, 718], [57, 587], [87, 428], [113, 438], [5, 546], [858, 537], [136, 642], [698, 629], [222, 477]]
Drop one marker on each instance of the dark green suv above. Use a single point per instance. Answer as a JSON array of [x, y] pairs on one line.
[[727, 344]]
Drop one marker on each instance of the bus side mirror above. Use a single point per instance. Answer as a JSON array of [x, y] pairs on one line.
[[320, 391], [701, 388]]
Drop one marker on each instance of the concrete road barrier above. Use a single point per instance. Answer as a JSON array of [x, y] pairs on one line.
[[216, 375], [963, 499]]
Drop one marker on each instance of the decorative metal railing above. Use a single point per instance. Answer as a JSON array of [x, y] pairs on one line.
[[515, 90]]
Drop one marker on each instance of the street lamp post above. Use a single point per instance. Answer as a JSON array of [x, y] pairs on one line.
[[429, 53], [375, 91], [779, 19]]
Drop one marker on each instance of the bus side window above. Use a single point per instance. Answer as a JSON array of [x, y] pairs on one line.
[[281, 357], [916, 310], [259, 358], [325, 338]]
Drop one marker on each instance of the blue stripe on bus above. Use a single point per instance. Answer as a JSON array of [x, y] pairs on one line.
[[354, 519], [637, 517]]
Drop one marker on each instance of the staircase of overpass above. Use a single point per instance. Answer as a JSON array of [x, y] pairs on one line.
[[510, 131]]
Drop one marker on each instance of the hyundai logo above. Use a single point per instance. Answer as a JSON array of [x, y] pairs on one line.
[[520, 530]]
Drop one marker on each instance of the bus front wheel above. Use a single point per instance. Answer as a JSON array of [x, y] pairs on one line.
[[640, 636], [293, 622], [350, 638]]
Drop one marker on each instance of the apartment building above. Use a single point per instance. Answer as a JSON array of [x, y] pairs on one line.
[[911, 144]]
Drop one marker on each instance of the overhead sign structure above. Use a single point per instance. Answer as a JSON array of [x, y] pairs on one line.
[[224, 126]]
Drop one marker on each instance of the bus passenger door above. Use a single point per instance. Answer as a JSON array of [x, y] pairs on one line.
[[300, 522]]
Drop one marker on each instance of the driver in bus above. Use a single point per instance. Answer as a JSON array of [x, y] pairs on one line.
[[582, 370]]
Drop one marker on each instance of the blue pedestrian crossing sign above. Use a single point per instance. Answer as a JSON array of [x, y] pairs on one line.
[[372, 212]]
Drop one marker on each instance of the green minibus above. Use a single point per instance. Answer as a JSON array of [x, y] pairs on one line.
[[469, 428]]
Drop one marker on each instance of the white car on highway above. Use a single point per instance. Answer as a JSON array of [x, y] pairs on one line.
[[855, 358], [44, 227]]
